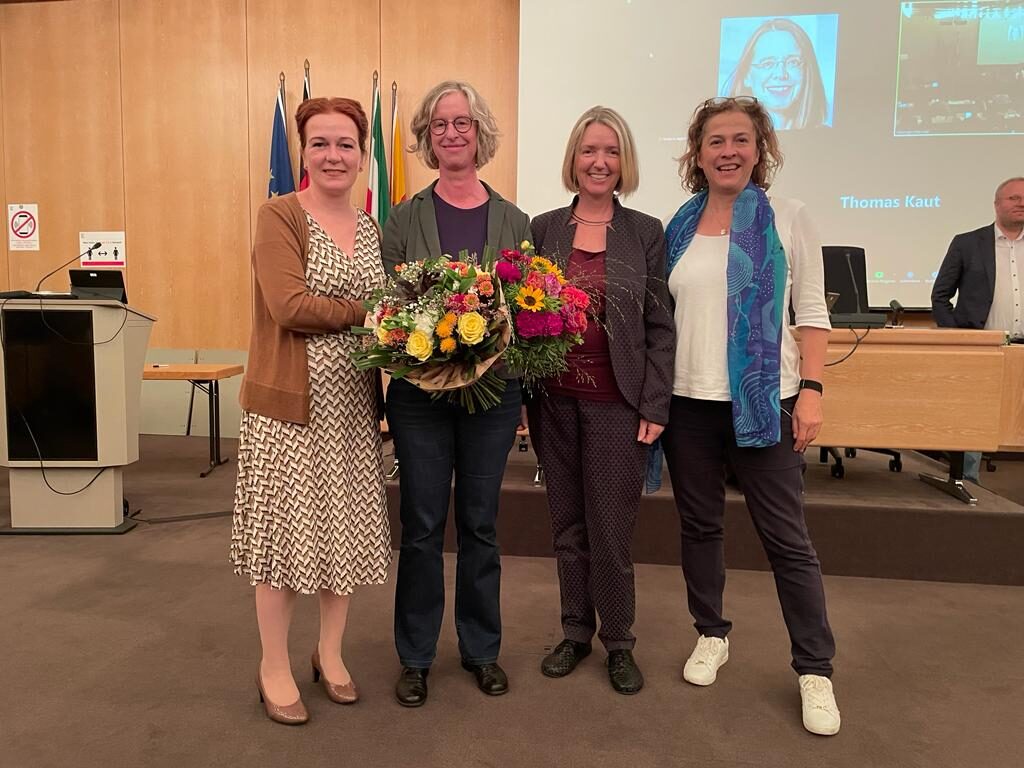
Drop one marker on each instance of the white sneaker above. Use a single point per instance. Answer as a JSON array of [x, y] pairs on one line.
[[821, 715], [709, 654]]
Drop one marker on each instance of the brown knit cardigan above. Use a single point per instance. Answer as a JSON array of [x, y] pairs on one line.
[[276, 382]]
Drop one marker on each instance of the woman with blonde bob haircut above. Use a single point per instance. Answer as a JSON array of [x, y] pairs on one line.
[[594, 423], [629, 167], [435, 439]]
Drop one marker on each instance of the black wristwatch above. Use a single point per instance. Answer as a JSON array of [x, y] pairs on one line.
[[812, 384]]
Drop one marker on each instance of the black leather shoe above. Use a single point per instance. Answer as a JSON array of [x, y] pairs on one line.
[[411, 689], [623, 672], [564, 658], [490, 678]]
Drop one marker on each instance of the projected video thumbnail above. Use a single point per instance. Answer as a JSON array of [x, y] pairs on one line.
[[787, 62], [961, 68]]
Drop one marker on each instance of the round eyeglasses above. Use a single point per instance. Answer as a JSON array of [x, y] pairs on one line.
[[789, 64], [462, 125]]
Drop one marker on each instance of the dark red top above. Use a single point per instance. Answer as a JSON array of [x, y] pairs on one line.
[[590, 375]]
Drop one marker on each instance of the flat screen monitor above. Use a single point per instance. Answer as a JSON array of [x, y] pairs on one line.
[[98, 284], [846, 274]]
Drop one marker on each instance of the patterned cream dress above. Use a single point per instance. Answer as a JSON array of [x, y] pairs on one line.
[[310, 508]]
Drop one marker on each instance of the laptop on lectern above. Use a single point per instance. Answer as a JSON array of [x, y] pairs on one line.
[[98, 284]]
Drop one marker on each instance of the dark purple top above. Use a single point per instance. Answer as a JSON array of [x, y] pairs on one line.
[[590, 375], [460, 228]]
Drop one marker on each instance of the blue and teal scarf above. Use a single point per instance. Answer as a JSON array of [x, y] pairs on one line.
[[756, 279]]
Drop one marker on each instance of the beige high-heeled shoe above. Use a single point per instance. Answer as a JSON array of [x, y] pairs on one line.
[[339, 694], [293, 714]]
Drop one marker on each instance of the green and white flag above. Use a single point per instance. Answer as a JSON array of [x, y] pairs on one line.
[[378, 199]]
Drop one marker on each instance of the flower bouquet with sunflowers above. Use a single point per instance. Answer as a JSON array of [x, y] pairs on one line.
[[549, 314], [440, 324]]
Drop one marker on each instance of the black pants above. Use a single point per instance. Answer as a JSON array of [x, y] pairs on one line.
[[595, 469], [698, 440], [433, 438]]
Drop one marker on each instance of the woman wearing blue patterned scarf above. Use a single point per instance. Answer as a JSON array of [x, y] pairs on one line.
[[745, 391]]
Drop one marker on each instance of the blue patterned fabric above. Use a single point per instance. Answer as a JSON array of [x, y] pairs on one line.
[[756, 279]]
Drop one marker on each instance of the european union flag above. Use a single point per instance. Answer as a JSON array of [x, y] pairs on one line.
[[281, 181]]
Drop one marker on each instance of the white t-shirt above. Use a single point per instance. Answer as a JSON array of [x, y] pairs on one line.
[[698, 287]]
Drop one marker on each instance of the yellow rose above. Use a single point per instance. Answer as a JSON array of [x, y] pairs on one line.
[[525, 245], [472, 328], [382, 334], [419, 345]]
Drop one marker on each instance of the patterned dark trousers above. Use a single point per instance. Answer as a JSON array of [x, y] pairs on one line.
[[698, 440], [594, 468]]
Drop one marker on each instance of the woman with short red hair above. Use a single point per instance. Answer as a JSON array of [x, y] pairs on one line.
[[310, 510]]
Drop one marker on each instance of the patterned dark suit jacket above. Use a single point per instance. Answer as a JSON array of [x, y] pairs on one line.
[[641, 328]]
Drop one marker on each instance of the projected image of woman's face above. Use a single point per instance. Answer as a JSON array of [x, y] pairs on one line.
[[776, 73]]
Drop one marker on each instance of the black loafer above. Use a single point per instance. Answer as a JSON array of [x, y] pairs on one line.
[[623, 672], [490, 678], [564, 658], [411, 689]]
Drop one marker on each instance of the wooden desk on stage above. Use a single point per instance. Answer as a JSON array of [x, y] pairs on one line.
[[924, 389], [207, 378], [914, 388]]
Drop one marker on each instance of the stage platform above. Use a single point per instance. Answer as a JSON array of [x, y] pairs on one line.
[[873, 522]]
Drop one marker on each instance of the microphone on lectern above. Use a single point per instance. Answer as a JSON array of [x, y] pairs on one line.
[[87, 251]]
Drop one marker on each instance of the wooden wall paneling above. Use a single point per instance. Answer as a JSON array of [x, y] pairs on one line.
[[341, 41], [5, 278], [186, 169], [61, 127], [424, 43]]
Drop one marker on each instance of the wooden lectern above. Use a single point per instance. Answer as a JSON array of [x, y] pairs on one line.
[[71, 377]]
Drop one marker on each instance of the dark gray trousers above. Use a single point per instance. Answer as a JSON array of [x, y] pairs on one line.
[[595, 469], [698, 441]]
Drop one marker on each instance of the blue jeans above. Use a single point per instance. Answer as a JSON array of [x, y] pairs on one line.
[[433, 438], [972, 465]]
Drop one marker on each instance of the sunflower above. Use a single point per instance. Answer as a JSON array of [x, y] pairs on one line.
[[531, 299], [546, 266]]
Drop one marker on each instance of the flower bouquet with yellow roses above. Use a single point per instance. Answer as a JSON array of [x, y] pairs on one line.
[[550, 314], [440, 324]]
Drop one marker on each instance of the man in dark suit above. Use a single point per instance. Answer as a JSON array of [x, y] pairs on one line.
[[984, 269]]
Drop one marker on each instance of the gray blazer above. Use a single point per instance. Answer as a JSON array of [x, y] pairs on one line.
[[969, 271], [410, 233], [638, 314]]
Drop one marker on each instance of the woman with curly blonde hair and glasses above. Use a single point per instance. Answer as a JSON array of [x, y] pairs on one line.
[[456, 134]]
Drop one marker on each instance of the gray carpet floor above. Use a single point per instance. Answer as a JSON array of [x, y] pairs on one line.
[[141, 650]]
